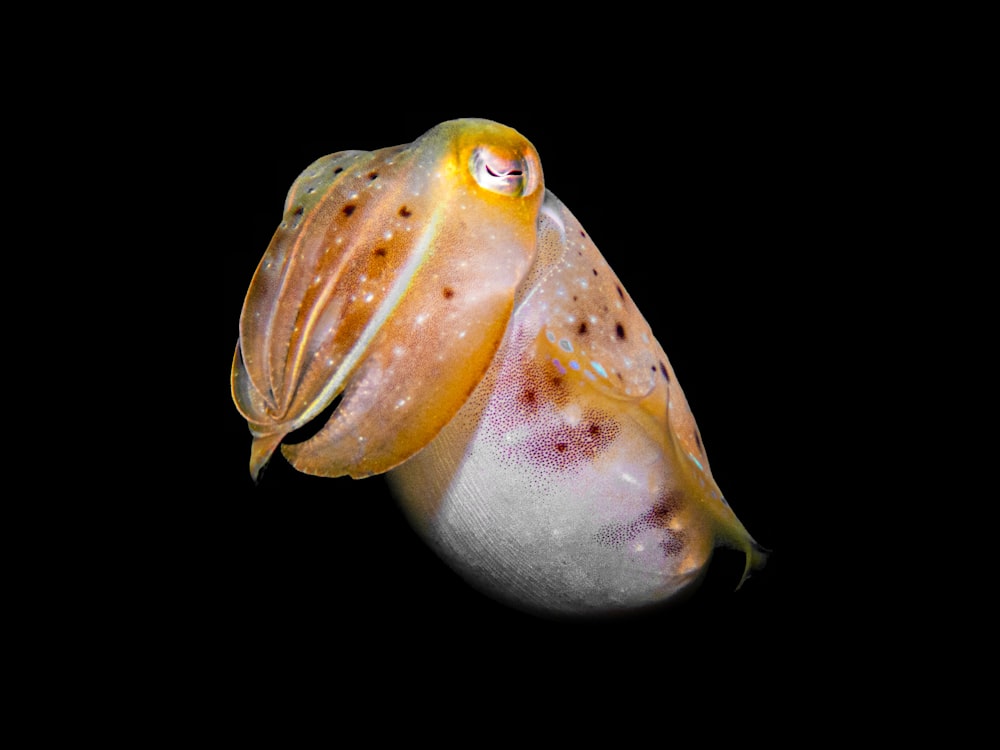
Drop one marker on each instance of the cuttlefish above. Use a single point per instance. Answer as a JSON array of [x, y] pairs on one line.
[[477, 348]]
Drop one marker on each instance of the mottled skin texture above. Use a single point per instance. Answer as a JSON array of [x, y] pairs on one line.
[[487, 355]]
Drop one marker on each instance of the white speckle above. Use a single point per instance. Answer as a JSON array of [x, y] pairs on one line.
[[461, 334], [640, 547], [626, 477], [399, 351], [369, 297], [517, 435], [421, 319], [354, 196], [339, 240], [316, 280], [572, 414], [401, 403], [329, 363], [361, 438], [387, 235]]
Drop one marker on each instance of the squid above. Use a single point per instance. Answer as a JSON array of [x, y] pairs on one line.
[[459, 331]]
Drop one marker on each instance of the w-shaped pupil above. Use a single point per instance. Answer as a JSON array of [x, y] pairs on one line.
[[509, 173]]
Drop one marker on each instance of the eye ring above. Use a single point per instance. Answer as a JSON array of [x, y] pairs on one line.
[[506, 174]]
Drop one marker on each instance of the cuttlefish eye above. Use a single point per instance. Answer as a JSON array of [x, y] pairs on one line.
[[507, 174]]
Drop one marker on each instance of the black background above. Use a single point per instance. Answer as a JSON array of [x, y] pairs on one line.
[[703, 210]]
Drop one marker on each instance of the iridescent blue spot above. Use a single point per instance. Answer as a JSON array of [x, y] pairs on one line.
[[574, 364], [590, 375], [696, 461], [550, 336], [565, 345], [597, 368], [558, 364]]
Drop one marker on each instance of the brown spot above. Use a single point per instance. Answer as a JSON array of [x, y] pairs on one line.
[[372, 175], [620, 330], [404, 211], [380, 252], [620, 292], [298, 211], [349, 209], [593, 429], [697, 440], [561, 447], [594, 270], [528, 397], [582, 329], [448, 292], [582, 233], [338, 170], [663, 370]]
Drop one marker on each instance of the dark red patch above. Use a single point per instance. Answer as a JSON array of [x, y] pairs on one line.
[[564, 446], [528, 399], [657, 517]]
